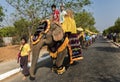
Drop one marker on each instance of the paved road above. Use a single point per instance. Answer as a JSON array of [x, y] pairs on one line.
[[101, 64]]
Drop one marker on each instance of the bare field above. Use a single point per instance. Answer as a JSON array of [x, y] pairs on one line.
[[8, 53]]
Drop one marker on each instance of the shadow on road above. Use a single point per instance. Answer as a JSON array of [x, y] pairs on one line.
[[103, 42], [109, 78], [108, 49], [48, 63]]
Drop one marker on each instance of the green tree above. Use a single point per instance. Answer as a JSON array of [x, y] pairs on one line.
[[76, 5], [84, 19], [7, 31], [117, 22], [117, 25], [113, 29], [22, 27], [93, 29], [1, 14], [42, 8]]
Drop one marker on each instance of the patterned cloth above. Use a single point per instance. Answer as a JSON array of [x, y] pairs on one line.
[[58, 47], [75, 45]]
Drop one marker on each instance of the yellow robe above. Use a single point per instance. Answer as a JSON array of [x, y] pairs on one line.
[[69, 25], [25, 50]]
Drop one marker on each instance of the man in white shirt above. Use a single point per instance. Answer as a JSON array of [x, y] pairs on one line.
[[62, 13]]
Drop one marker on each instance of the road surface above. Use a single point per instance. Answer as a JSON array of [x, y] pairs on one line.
[[101, 63]]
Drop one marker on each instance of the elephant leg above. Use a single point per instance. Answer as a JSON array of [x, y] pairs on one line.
[[60, 58], [54, 68], [59, 61]]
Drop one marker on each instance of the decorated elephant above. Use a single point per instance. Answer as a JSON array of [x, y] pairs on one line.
[[51, 34]]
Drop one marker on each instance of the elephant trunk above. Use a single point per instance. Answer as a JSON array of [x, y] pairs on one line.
[[35, 54]]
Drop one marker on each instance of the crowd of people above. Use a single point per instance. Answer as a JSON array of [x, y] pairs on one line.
[[114, 36], [86, 39]]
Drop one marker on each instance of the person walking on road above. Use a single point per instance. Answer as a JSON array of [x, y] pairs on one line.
[[87, 39], [24, 57]]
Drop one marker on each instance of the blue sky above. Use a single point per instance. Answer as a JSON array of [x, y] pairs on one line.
[[105, 12], [7, 10]]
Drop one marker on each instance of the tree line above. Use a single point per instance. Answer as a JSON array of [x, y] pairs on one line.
[[113, 29]]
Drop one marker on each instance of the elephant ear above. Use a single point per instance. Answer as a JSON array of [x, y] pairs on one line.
[[57, 33]]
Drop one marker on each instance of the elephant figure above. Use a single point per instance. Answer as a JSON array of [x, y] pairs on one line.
[[52, 35]]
